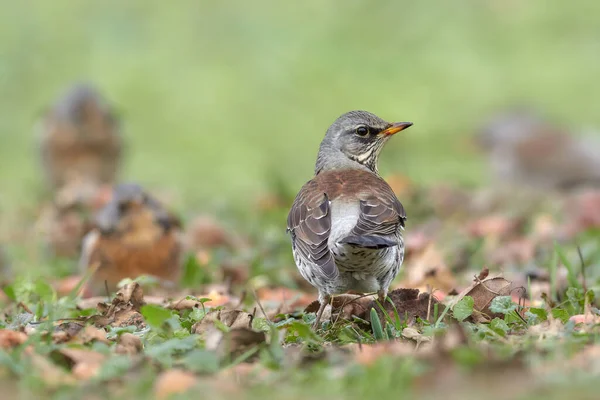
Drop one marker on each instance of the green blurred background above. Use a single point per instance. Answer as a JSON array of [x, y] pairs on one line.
[[219, 97]]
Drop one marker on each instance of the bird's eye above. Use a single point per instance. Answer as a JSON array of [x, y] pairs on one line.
[[362, 130]]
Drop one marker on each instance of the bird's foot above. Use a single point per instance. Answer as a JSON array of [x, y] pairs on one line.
[[323, 303]]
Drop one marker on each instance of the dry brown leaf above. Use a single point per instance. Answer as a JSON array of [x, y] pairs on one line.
[[413, 334], [173, 381], [91, 334], [124, 309], [66, 331], [483, 292], [10, 338], [129, 344], [344, 306], [586, 319], [231, 318], [84, 363], [239, 340], [408, 303], [51, 374], [429, 270]]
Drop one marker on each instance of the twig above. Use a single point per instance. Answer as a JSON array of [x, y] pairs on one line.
[[261, 307], [24, 307], [107, 291]]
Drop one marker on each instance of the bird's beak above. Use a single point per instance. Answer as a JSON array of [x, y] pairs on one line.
[[395, 128]]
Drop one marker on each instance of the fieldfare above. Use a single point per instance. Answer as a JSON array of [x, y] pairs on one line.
[[525, 149], [134, 235], [68, 218], [79, 139], [346, 223]]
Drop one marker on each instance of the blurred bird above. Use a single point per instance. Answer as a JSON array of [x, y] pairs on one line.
[[64, 222], [134, 235], [346, 223], [79, 139], [525, 149]]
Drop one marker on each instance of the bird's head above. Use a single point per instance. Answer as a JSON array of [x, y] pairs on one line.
[[134, 212], [355, 140], [85, 109]]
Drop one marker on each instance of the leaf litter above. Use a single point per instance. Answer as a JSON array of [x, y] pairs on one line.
[[451, 321]]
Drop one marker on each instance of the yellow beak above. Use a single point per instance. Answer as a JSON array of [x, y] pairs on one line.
[[395, 128]]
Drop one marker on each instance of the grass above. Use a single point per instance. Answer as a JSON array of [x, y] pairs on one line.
[[222, 101], [216, 97]]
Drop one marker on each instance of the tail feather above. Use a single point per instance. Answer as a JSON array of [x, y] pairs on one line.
[[370, 242]]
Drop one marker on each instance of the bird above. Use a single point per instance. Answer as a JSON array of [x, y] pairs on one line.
[[65, 221], [525, 149], [133, 235], [79, 138], [346, 224]]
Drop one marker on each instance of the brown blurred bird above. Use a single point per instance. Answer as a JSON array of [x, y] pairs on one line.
[[68, 218], [525, 149], [79, 139], [346, 223], [134, 235]]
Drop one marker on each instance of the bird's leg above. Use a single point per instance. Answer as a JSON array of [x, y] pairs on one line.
[[381, 296], [323, 301]]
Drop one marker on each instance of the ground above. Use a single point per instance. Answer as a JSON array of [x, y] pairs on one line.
[[223, 107]]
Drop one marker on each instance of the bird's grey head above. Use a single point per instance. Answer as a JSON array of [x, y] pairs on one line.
[[85, 108], [128, 199], [354, 140]]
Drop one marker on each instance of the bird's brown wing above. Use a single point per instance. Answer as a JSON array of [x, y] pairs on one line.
[[309, 223], [380, 214]]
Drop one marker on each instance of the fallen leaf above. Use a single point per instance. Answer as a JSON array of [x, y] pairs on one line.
[[173, 381], [84, 363], [237, 341], [90, 334], [409, 303], [230, 318], [413, 334], [588, 319], [51, 374], [483, 292], [124, 310], [128, 343], [10, 338], [429, 270], [66, 331], [344, 306]]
